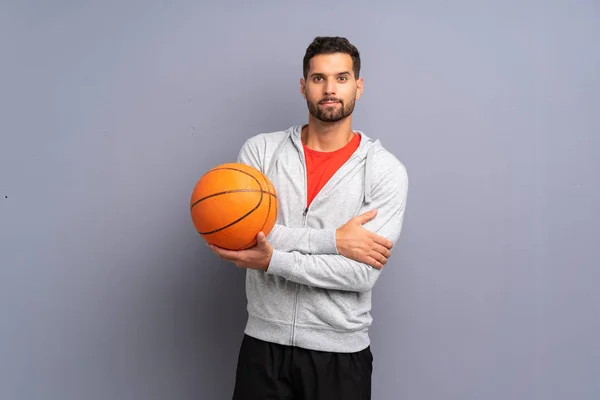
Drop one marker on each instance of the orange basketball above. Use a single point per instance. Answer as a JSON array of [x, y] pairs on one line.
[[231, 204]]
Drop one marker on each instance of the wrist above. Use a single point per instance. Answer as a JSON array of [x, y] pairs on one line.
[[339, 241], [269, 258]]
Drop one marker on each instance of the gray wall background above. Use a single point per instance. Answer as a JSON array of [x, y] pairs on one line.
[[111, 111]]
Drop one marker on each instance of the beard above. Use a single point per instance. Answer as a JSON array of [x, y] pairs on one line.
[[332, 113]]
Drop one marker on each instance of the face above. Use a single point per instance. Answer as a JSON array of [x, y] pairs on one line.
[[330, 88]]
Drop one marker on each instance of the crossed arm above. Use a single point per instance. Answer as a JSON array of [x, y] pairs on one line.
[[347, 258], [354, 267], [350, 240]]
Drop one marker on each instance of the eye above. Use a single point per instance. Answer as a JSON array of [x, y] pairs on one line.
[[317, 78], [343, 78]]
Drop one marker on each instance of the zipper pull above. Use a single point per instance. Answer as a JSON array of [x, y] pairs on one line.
[[305, 212]]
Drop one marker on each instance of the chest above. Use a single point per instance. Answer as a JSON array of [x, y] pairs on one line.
[[327, 202]]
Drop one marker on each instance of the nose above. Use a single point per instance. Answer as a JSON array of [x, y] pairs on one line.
[[330, 87]]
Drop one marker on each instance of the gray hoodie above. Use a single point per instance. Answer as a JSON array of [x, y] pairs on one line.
[[311, 296]]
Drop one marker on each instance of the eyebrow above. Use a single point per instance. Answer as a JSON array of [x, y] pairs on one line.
[[321, 74]]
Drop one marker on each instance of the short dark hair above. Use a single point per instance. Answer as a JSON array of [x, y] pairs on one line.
[[330, 45]]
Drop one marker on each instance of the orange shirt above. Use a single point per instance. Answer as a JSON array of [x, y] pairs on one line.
[[321, 166]]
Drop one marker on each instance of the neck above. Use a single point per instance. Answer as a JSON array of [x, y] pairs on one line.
[[327, 136]]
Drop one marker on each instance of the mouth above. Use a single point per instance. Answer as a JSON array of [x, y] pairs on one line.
[[328, 103]]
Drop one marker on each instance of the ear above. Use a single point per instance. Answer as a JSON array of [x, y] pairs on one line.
[[359, 88], [303, 87]]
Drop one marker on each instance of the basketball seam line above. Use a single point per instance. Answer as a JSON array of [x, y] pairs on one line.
[[231, 191], [268, 211]]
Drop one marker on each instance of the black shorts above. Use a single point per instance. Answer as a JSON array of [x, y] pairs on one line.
[[268, 371]]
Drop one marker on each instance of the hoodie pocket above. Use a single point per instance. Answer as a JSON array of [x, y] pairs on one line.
[[335, 309]]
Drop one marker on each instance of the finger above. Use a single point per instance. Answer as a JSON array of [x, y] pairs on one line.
[[384, 251], [229, 255], [261, 239], [381, 259], [366, 217], [382, 241], [374, 263]]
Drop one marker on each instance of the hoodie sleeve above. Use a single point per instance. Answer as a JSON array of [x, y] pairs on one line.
[[286, 239], [336, 272]]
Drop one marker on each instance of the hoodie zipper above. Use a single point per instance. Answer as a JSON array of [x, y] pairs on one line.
[[304, 219]]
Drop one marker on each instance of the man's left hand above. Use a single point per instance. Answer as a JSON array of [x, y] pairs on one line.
[[257, 257]]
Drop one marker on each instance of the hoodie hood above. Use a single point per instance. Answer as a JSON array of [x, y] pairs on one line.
[[364, 152]]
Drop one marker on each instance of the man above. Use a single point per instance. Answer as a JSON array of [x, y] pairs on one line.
[[341, 198]]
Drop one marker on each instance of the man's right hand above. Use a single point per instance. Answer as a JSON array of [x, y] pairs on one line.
[[357, 243]]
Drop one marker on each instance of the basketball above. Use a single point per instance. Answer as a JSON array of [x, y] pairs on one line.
[[231, 204]]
